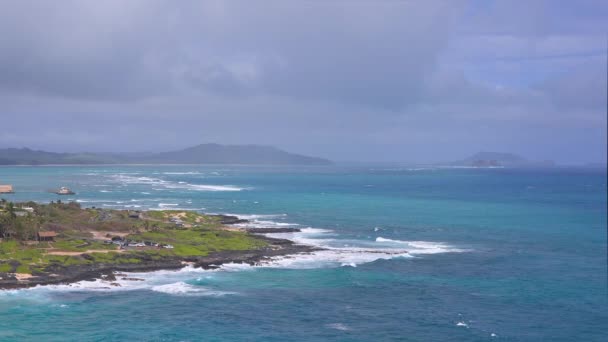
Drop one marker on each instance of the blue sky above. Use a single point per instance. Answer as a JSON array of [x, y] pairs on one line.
[[408, 81]]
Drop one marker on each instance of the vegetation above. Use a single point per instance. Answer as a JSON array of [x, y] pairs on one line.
[[84, 236]]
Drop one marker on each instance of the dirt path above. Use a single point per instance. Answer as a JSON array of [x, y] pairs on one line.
[[86, 252]]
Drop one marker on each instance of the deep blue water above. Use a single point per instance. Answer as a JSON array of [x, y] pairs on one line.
[[494, 254]]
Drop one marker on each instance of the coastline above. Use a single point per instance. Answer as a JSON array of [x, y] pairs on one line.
[[76, 273], [80, 242]]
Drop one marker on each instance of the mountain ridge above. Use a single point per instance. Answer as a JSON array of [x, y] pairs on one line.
[[199, 154]]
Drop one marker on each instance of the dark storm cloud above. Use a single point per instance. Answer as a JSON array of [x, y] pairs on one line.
[[374, 53], [379, 80]]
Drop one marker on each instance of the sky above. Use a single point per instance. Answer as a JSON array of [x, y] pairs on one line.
[[379, 81]]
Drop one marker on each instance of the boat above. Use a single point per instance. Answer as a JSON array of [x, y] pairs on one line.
[[6, 189], [64, 191]]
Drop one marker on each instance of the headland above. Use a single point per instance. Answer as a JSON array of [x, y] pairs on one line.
[[61, 243]]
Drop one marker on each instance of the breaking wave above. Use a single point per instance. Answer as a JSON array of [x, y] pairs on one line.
[[335, 252], [165, 184], [185, 289]]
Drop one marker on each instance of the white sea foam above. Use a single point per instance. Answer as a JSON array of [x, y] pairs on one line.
[[339, 252], [422, 247], [185, 289], [336, 253], [267, 224], [95, 201], [182, 173], [462, 324], [162, 205], [335, 257], [233, 267], [256, 216], [262, 221], [338, 326], [165, 184]]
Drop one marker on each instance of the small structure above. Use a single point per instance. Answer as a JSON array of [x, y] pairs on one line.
[[135, 214], [178, 222], [46, 236], [6, 189]]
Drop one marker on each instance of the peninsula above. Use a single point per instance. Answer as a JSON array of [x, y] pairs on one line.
[[61, 243]]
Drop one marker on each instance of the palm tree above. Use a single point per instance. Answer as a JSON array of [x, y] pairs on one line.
[[10, 208]]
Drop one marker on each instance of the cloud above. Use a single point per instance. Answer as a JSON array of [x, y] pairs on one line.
[[419, 80]]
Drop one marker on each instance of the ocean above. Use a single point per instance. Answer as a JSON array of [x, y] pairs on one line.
[[413, 254]]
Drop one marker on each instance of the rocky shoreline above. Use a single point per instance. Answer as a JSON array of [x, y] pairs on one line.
[[61, 274], [76, 273]]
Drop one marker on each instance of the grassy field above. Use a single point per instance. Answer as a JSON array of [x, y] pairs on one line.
[[81, 235]]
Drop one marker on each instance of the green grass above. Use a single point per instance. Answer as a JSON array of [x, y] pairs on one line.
[[75, 225], [187, 243], [200, 242], [23, 269], [79, 245]]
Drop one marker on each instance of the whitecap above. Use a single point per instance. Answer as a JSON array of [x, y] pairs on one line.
[[157, 182], [185, 289], [422, 247], [338, 326], [182, 173]]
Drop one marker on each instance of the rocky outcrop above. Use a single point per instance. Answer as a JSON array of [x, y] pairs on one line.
[[229, 219]]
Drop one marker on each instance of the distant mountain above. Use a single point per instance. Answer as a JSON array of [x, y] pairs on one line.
[[497, 159], [26, 156], [233, 154], [201, 154]]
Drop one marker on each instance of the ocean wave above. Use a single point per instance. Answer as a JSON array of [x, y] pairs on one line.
[[335, 257], [338, 326], [157, 182], [167, 281], [162, 205], [185, 289], [335, 252], [266, 224], [256, 216], [96, 201], [423, 247], [182, 173]]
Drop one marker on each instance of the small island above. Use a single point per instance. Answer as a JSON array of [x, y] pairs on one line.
[[61, 243]]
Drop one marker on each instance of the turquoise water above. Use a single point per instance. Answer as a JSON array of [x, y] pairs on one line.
[[414, 254]]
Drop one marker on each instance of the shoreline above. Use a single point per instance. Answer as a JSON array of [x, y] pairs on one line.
[[76, 273]]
